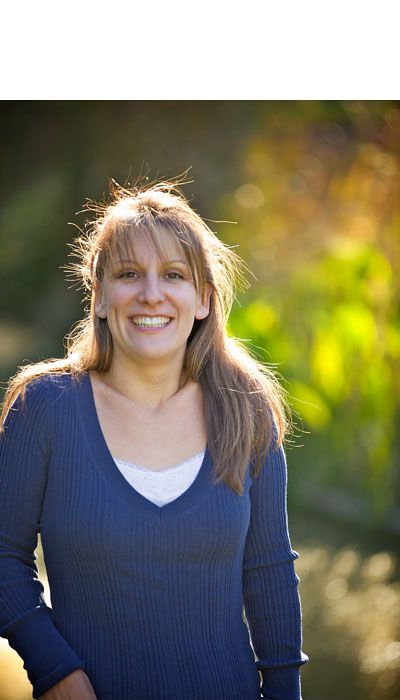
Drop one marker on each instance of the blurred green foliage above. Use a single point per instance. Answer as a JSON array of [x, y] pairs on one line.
[[319, 215]]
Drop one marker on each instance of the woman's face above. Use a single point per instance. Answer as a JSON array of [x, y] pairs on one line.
[[150, 304]]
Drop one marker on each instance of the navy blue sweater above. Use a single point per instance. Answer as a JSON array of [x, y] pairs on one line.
[[147, 600]]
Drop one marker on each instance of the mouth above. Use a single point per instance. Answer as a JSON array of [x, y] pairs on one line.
[[151, 321]]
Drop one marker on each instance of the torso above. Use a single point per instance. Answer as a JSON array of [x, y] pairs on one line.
[[152, 438]]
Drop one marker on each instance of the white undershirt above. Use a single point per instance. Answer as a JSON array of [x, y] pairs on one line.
[[163, 486]]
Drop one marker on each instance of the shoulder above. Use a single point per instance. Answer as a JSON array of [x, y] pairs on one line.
[[41, 395], [270, 448], [269, 477], [49, 386], [44, 404]]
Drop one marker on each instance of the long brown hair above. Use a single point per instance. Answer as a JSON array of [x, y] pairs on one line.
[[245, 406]]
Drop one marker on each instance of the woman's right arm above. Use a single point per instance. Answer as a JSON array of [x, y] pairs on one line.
[[25, 619]]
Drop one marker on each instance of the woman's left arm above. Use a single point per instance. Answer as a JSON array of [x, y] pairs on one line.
[[270, 584]]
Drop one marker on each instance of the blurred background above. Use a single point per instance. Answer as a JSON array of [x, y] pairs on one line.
[[313, 187]]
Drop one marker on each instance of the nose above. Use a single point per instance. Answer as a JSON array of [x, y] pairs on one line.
[[151, 291]]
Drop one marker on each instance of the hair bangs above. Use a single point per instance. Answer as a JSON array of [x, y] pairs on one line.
[[167, 236]]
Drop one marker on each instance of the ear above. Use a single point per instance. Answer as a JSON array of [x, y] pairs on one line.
[[203, 308], [100, 305]]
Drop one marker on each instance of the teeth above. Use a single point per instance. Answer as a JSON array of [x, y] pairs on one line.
[[151, 320]]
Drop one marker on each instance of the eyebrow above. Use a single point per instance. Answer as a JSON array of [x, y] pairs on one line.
[[133, 260]]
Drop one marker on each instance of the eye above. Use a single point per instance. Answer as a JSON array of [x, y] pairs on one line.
[[174, 275], [128, 274]]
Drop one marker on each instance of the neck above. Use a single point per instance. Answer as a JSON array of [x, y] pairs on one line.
[[147, 385]]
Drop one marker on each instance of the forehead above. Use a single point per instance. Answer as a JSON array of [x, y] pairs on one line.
[[142, 248], [125, 240], [136, 243]]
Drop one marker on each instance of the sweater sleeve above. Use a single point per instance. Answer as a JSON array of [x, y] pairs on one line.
[[270, 584], [25, 620]]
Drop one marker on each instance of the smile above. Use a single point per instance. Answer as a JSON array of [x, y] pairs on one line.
[[152, 321]]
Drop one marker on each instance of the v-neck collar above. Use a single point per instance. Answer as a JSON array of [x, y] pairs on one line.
[[105, 462]]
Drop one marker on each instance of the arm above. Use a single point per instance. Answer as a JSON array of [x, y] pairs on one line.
[[271, 597], [25, 620]]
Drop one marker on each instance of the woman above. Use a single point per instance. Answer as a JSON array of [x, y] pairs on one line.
[[151, 461]]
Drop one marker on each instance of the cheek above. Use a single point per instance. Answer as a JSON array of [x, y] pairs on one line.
[[118, 297], [188, 299]]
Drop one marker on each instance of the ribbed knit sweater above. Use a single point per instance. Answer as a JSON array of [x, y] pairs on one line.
[[147, 600]]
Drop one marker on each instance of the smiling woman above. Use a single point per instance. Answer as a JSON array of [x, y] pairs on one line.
[[150, 458]]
